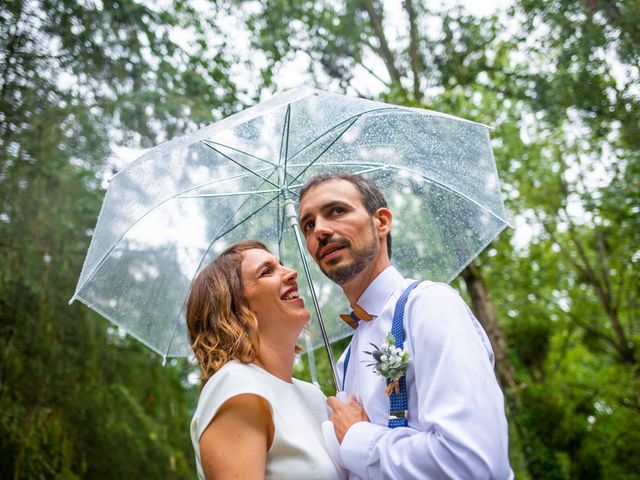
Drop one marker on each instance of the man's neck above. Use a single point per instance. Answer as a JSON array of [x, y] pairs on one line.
[[356, 287]]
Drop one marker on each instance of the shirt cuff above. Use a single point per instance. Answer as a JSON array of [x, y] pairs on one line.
[[357, 445]]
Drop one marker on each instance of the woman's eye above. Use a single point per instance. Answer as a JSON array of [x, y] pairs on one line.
[[265, 272]]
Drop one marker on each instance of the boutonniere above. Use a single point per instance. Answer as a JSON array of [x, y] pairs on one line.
[[390, 362]]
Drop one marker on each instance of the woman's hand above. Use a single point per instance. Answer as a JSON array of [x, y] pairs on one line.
[[235, 443]]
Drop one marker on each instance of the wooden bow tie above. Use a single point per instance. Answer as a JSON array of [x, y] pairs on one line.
[[355, 316]]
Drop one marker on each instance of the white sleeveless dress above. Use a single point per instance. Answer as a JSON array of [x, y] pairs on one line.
[[298, 409]]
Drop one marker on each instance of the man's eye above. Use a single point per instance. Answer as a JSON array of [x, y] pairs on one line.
[[338, 210], [307, 226]]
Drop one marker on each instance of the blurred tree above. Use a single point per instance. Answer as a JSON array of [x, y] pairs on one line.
[[558, 79], [576, 170], [76, 399]]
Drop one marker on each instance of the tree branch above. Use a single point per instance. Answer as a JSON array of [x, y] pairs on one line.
[[604, 267], [593, 331], [625, 352], [414, 49], [385, 52], [485, 313], [373, 74]]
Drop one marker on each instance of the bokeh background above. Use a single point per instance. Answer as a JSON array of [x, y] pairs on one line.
[[87, 85]]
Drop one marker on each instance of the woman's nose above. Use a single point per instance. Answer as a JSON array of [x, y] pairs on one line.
[[289, 274]]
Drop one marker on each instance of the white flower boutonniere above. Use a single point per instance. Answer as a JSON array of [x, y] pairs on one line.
[[390, 362]]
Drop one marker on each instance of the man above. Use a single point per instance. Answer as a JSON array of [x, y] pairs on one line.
[[456, 422]]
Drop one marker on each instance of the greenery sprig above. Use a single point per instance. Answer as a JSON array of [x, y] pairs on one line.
[[390, 362]]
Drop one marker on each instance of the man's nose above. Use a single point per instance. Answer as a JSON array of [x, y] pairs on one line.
[[322, 228]]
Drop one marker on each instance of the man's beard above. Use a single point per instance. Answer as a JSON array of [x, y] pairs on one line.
[[361, 259]]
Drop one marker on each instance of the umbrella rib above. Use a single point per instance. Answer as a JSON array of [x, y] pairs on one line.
[[353, 118], [283, 144], [400, 110], [323, 151], [453, 190], [115, 243], [382, 166], [372, 166], [287, 124], [279, 226], [234, 194], [232, 177], [240, 165], [206, 142], [245, 219], [218, 236]]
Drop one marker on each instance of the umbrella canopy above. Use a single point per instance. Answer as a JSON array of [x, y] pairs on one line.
[[173, 210]]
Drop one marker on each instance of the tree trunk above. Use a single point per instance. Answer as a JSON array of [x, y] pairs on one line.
[[384, 51], [482, 306], [543, 459]]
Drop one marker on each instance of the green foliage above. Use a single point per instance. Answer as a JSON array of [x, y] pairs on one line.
[[76, 400], [557, 79], [302, 368]]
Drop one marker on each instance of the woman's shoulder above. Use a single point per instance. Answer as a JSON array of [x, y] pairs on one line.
[[232, 375], [233, 379]]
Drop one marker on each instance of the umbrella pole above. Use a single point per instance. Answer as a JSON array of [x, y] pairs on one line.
[[290, 211], [311, 357]]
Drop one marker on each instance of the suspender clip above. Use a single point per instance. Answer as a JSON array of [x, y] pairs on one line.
[[397, 414]]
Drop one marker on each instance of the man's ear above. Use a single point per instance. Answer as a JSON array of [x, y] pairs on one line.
[[382, 221]]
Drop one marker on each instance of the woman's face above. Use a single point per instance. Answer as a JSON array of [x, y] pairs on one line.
[[271, 290]]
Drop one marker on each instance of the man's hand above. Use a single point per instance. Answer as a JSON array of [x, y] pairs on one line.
[[345, 414]]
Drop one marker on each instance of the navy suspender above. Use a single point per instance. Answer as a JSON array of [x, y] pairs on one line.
[[398, 402]]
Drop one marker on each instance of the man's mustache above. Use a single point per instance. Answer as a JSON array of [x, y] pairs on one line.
[[326, 241]]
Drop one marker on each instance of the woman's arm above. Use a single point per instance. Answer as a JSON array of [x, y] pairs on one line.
[[235, 443]]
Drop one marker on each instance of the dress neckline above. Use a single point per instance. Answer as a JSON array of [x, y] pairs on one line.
[[271, 375]]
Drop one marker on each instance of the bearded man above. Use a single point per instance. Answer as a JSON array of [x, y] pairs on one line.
[[440, 412]]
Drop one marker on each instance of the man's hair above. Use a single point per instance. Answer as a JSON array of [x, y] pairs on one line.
[[370, 195], [221, 325]]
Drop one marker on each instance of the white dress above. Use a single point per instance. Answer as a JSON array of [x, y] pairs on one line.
[[298, 409]]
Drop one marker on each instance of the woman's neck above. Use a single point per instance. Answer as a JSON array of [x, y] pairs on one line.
[[276, 359]]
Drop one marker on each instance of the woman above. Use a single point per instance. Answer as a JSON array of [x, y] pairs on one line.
[[253, 420]]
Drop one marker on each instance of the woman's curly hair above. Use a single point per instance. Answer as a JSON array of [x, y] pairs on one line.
[[221, 325]]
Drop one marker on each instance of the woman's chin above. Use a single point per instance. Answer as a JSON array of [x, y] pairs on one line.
[[301, 317]]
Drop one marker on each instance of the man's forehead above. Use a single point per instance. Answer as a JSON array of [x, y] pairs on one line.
[[337, 189]]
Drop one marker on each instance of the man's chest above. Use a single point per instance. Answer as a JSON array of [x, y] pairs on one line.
[[361, 380]]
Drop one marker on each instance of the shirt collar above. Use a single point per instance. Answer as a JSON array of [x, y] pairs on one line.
[[378, 292]]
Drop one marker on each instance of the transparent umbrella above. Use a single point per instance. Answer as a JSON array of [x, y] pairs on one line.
[[174, 209]]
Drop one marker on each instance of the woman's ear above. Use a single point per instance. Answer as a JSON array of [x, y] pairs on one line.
[[382, 221]]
